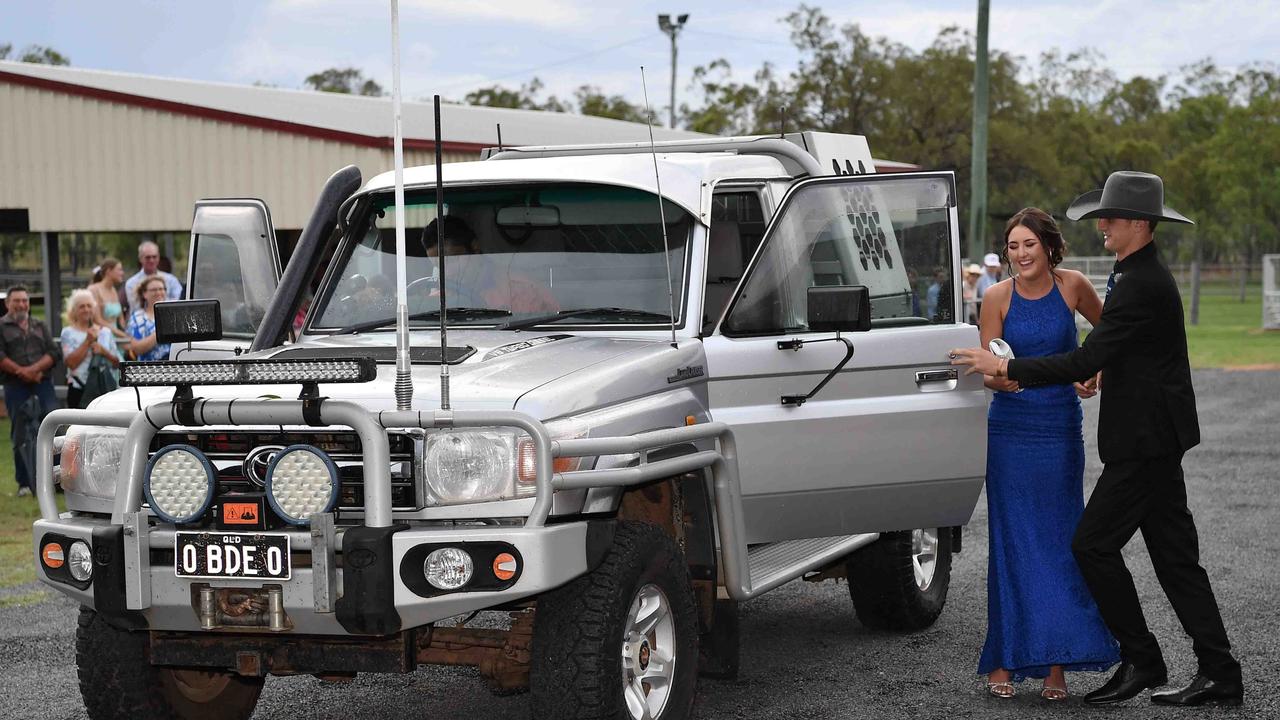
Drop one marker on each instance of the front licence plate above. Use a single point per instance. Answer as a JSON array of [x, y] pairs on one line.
[[215, 555]]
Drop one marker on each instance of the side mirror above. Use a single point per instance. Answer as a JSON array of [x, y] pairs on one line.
[[839, 308], [179, 321]]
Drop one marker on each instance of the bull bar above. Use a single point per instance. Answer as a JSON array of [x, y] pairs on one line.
[[371, 427]]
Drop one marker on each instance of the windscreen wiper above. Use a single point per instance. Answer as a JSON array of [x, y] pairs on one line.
[[630, 313], [458, 312]]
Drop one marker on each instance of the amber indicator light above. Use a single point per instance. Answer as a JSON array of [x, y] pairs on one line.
[[504, 566], [52, 556]]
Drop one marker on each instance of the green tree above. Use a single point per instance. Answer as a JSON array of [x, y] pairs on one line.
[[590, 100], [587, 100], [348, 81], [1059, 124], [732, 108], [35, 54], [523, 98]]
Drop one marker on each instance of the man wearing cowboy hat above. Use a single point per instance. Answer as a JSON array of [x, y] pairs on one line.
[[1146, 423]]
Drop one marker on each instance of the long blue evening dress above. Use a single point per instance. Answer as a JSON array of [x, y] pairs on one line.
[[1039, 611]]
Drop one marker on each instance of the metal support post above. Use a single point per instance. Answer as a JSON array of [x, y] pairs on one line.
[[51, 278], [978, 167]]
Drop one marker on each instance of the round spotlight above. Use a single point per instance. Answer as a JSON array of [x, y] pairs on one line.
[[179, 484], [448, 568], [301, 481], [80, 561]]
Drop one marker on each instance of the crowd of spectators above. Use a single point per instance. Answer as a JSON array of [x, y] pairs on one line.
[[97, 335]]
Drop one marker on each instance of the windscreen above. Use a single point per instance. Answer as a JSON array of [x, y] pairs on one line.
[[512, 253]]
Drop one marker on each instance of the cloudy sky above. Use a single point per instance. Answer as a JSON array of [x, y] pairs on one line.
[[451, 47]]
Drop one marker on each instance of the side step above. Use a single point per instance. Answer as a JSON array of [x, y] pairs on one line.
[[773, 564]]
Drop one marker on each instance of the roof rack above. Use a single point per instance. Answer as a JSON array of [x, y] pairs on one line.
[[791, 151]]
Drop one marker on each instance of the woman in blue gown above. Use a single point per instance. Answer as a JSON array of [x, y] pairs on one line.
[[1041, 619]]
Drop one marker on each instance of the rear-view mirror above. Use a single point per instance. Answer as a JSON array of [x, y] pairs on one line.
[[179, 321], [529, 216], [839, 308]]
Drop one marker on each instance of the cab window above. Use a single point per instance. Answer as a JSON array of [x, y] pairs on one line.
[[892, 235]]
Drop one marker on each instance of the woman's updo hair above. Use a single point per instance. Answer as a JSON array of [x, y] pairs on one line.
[[77, 297], [103, 268], [1046, 230]]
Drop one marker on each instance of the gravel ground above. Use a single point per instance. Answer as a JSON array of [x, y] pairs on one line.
[[804, 654]]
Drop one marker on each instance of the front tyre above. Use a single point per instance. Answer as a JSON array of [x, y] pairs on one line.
[[117, 680], [622, 640], [900, 581]]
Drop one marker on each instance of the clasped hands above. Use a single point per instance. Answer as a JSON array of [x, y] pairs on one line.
[[981, 360], [29, 374]]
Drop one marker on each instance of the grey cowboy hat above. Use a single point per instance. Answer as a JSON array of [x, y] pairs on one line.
[[1128, 194]]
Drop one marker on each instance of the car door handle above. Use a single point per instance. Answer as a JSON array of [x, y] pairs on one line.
[[928, 376]]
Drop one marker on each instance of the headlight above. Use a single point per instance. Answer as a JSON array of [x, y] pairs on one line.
[[483, 464], [90, 460], [301, 481], [470, 465], [179, 484]]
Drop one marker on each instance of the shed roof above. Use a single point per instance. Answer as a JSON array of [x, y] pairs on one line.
[[351, 118]]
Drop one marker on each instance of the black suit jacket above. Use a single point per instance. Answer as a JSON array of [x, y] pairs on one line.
[[1140, 345]]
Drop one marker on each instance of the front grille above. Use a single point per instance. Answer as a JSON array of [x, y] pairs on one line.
[[227, 451]]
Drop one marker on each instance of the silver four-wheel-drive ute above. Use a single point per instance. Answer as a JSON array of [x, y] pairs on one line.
[[676, 379]]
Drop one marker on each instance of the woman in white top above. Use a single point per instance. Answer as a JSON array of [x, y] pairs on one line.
[[82, 338]]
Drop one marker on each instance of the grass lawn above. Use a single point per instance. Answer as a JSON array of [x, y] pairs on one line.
[[17, 564], [1230, 333]]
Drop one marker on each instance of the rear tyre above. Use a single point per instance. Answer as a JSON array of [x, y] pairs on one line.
[[900, 581], [117, 680], [622, 640]]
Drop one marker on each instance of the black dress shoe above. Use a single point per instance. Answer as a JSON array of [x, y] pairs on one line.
[[1127, 682], [1202, 691]]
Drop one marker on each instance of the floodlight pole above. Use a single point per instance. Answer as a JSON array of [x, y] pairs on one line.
[[672, 30], [978, 168]]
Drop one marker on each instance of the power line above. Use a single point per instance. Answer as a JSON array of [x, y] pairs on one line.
[[743, 38], [557, 63]]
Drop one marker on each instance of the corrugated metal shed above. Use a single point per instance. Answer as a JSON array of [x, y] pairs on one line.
[[93, 151]]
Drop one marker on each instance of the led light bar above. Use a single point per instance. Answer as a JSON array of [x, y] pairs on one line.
[[246, 372]]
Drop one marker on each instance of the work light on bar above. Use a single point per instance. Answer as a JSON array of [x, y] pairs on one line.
[[246, 372]]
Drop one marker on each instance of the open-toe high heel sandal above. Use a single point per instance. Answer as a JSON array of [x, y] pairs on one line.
[[1003, 689], [1053, 693]]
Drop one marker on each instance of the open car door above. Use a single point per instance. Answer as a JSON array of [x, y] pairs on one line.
[[235, 260], [893, 441]]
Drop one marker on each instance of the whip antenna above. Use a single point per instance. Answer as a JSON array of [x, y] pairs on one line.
[[404, 379], [662, 215], [444, 320]]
